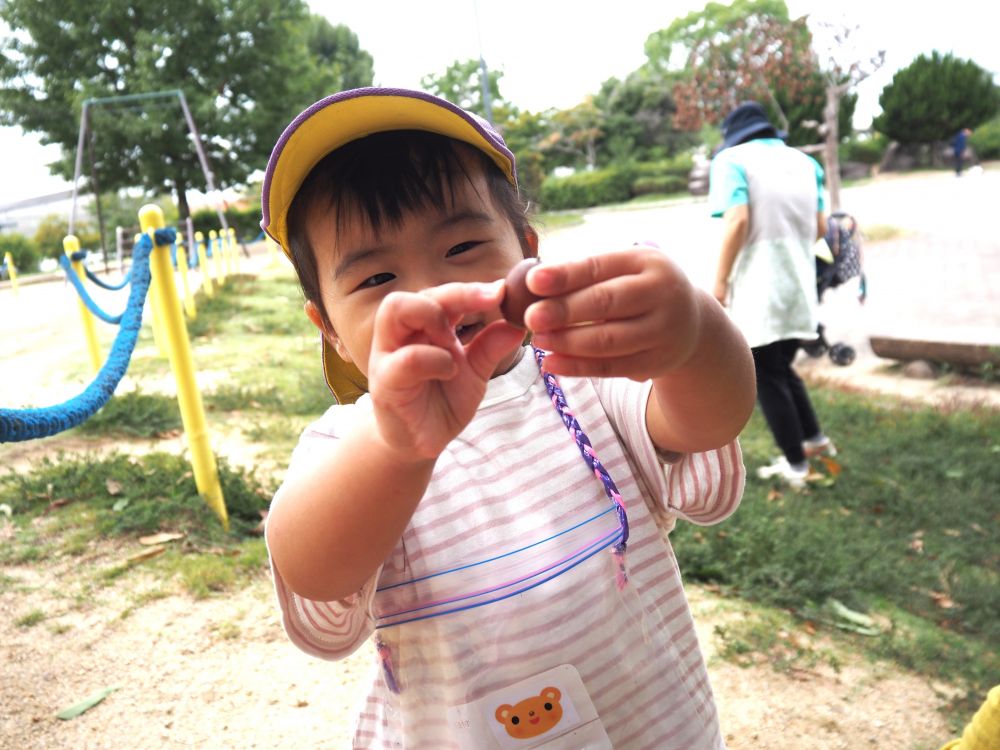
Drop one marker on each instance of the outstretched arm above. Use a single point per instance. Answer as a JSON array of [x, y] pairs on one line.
[[635, 314]]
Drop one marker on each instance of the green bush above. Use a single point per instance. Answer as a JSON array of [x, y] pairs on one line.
[[595, 188], [985, 140], [22, 250], [678, 166], [867, 150], [666, 184], [246, 221]]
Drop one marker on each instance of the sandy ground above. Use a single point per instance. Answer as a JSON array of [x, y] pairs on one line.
[[219, 673]]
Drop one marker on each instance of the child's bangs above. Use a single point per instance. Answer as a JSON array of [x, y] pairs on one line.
[[385, 176]]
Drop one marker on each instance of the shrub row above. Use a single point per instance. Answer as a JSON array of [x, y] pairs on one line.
[[615, 184], [246, 221]]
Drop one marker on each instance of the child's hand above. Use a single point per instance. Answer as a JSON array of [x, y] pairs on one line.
[[631, 313], [424, 383]]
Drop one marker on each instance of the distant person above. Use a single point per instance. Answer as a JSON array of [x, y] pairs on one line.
[[959, 144], [771, 199]]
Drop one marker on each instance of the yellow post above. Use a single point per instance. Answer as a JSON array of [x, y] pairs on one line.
[[206, 276], [11, 271], [213, 242], [182, 264], [206, 474], [154, 316], [72, 245], [234, 249]]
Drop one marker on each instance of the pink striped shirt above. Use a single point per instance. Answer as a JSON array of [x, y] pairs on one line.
[[513, 477]]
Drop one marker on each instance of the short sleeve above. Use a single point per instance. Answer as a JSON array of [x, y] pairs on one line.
[[728, 185], [821, 204], [703, 488], [328, 630]]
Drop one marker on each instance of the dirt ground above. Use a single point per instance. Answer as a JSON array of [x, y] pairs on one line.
[[219, 673]]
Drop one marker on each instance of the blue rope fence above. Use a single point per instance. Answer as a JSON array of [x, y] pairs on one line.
[[67, 266], [104, 284], [30, 424]]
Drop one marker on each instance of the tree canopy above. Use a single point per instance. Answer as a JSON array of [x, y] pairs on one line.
[[462, 84], [245, 67], [933, 97]]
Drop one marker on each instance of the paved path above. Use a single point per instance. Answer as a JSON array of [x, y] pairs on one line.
[[940, 279]]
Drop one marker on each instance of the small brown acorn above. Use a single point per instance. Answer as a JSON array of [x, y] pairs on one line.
[[516, 296]]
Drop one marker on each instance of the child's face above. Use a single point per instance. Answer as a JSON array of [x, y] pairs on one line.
[[469, 241]]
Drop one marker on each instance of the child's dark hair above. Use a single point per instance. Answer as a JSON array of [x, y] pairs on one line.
[[384, 176]]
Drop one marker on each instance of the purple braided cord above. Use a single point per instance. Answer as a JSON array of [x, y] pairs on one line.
[[586, 449]]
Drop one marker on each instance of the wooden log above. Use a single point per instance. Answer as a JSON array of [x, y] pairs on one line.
[[936, 351]]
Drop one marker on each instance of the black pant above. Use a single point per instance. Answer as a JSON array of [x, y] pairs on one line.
[[783, 398]]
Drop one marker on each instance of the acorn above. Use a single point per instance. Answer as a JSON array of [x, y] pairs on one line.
[[516, 296]]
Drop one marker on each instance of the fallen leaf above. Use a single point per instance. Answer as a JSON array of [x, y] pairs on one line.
[[774, 495], [145, 554], [162, 538], [809, 627], [954, 473], [977, 528], [120, 505], [942, 600], [917, 545], [113, 487], [86, 704], [832, 465], [952, 532]]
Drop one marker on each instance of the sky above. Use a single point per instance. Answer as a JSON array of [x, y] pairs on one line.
[[553, 53]]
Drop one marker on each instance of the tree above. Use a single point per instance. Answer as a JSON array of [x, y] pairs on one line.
[[574, 135], [844, 68], [638, 118], [931, 98], [243, 65], [732, 53], [340, 62], [462, 84]]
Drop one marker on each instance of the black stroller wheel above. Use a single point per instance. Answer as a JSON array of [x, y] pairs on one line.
[[842, 354], [815, 348]]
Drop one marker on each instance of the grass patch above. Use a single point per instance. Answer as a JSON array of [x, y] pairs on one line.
[[31, 619], [911, 529], [136, 414], [64, 503]]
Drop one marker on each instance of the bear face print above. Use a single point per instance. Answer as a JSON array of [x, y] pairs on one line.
[[532, 716]]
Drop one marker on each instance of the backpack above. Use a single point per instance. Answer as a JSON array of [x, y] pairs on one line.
[[844, 241]]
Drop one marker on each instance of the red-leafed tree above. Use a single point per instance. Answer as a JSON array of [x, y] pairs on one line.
[[732, 53], [753, 50]]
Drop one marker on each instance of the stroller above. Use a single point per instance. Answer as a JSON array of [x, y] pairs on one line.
[[844, 240]]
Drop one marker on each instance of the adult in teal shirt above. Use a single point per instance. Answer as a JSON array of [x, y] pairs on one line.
[[770, 197]]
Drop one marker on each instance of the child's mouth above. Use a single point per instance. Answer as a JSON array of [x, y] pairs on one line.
[[467, 331]]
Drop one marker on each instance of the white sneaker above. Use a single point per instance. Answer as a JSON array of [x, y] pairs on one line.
[[781, 469], [819, 446]]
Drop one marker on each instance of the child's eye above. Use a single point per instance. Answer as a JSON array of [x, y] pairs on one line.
[[376, 280], [462, 247]]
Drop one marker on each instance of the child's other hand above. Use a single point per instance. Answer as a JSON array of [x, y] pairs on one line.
[[424, 383], [631, 313]]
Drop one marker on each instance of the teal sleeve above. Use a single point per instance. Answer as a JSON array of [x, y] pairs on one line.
[[727, 185], [819, 185]]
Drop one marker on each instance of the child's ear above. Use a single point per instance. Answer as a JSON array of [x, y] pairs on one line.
[[313, 313], [531, 240]]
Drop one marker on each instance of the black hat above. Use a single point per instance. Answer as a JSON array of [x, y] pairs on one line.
[[747, 119]]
